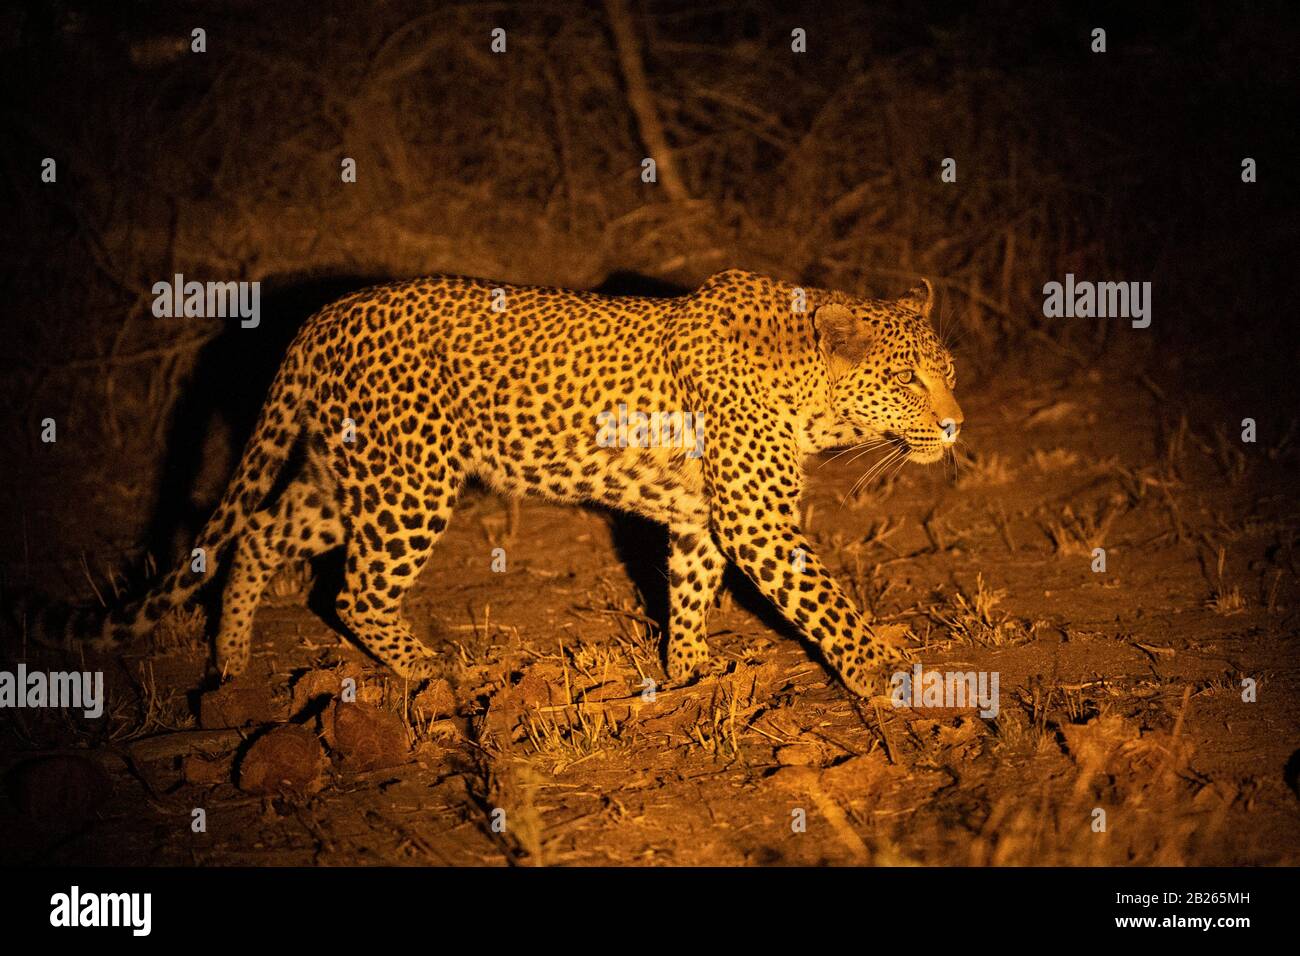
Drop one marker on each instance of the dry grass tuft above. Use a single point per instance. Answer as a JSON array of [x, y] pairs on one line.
[[1080, 532], [972, 617], [975, 470], [1224, 598]]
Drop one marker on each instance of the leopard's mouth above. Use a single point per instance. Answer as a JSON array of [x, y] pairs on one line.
[[922, 451]]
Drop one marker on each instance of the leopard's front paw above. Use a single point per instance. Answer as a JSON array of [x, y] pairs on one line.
[[686, 658], [866, 668], [867, 680], [417, 669], [892, 641]]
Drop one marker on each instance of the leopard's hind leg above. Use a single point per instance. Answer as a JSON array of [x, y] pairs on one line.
[[695, 567], [387, 546], [303, 522]]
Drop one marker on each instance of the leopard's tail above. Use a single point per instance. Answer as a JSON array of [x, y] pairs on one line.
[[263, 458]]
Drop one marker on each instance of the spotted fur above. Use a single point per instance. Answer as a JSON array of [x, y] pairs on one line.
[[440, 387]]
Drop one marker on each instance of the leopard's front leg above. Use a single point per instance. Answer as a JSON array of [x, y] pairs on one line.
[[779, 559], [754, 489]]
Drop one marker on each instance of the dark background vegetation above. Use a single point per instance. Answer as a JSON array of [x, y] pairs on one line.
[[524, 167]]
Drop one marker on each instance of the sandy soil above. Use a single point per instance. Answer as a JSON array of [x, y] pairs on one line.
[[1121, 693]]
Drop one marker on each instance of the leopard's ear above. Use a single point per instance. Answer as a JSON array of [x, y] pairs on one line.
[[842, 333], [920, 298]]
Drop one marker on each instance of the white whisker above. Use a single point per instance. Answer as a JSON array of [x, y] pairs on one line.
[[879, 466], [869, 445], [891, 441]]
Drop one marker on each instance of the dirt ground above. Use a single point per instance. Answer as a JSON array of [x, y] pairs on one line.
[[1147, 713]]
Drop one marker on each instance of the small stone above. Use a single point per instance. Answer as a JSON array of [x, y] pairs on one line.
[[366, 737], [232, 706], [313, 686], [437, 700], [286, 761]]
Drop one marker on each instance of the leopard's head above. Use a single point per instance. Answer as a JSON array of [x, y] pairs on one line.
[[891, 377]]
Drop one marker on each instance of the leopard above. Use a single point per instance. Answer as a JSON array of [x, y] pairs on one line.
[[390, 400]]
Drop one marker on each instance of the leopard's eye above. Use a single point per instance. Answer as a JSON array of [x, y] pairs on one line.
[[904, 377]]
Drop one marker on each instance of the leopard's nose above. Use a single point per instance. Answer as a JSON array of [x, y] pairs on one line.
[[950, 425]]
